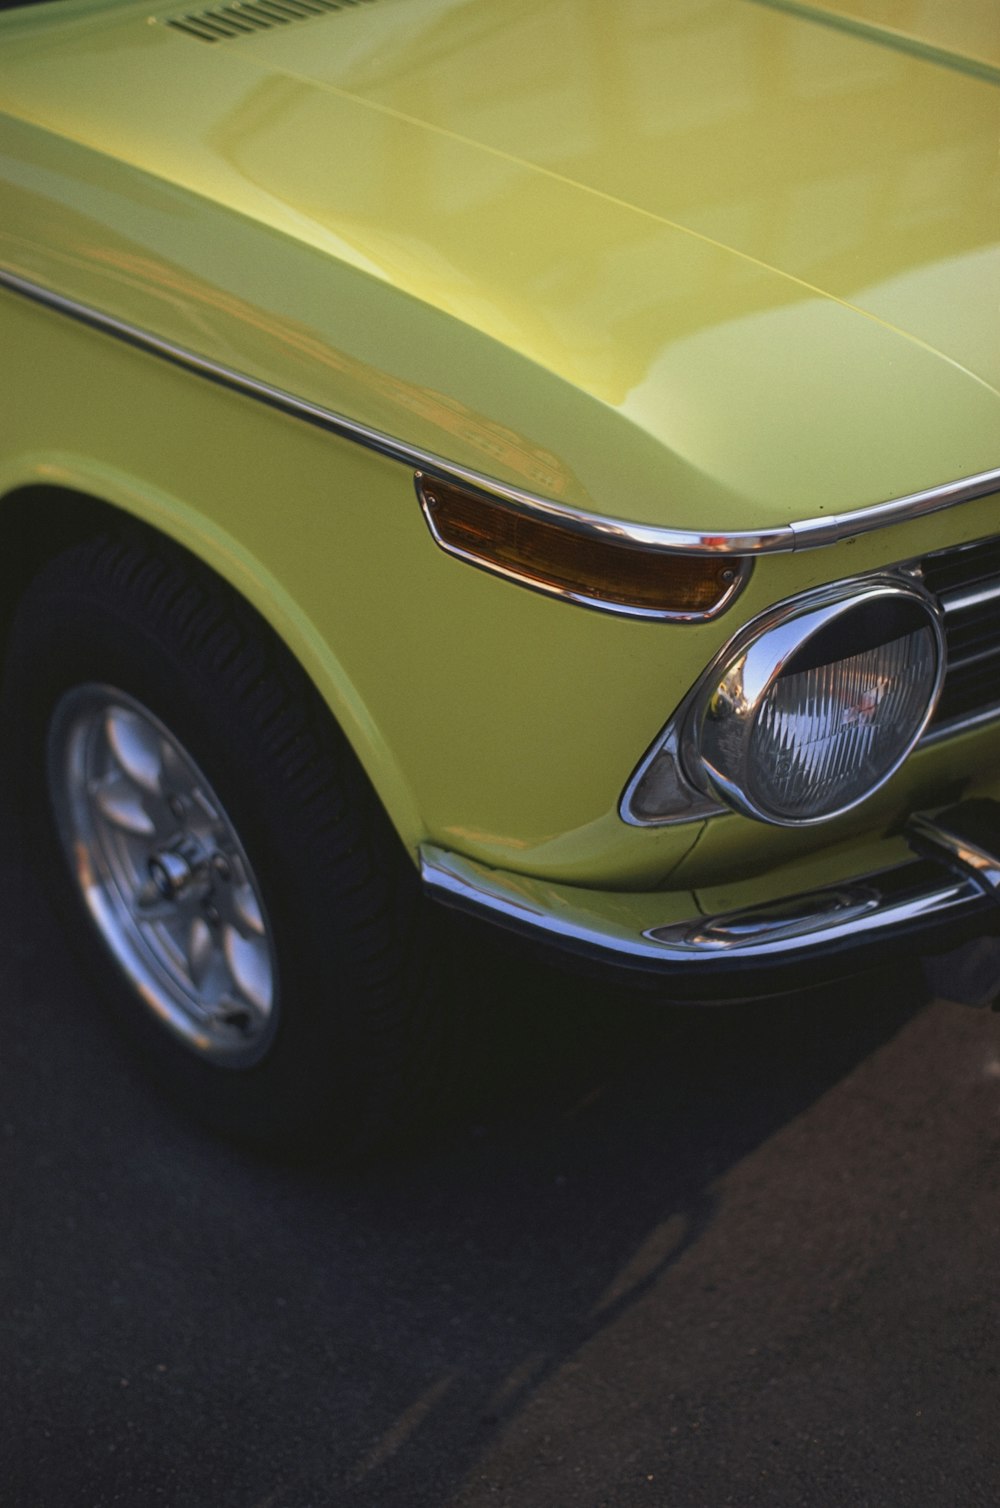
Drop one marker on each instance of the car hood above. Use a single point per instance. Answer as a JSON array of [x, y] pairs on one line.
[[811, 139], [725, 260]]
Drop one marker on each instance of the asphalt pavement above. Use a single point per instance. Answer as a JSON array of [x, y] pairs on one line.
[[745, 1256]]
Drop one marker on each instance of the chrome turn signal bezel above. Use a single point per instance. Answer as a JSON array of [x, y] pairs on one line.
[[579, 557]]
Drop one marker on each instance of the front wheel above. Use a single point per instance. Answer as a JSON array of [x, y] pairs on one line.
[[160, 867], [218, 853]]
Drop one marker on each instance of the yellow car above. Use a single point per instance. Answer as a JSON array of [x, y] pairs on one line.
[[539, 458]]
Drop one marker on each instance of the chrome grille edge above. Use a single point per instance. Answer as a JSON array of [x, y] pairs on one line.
[[966, 581]]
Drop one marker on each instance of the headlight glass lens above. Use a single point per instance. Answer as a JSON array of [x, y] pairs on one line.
[[817, 702], [828, 735]]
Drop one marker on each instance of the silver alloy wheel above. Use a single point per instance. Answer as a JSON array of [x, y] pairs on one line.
[[163, 874]]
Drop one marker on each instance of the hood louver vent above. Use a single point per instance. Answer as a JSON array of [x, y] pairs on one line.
[[241, 19]]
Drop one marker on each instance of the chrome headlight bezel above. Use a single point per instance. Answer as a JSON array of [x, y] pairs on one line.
[[698, 765]]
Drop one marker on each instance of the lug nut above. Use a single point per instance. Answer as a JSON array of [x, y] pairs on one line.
[[176, 806], [220, 865], [170, 872]]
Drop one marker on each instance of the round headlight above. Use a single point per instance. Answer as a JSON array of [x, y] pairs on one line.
[[816, 705]]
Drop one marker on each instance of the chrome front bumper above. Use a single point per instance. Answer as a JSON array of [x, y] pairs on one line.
[[948, 894]]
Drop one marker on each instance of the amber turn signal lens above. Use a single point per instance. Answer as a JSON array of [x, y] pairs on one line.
[[583, 565]]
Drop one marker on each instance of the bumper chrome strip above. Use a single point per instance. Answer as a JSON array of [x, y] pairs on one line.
[[963, 851], [804, 534], [900, 900]]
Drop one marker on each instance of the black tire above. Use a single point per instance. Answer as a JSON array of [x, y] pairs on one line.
[[351, 1050]]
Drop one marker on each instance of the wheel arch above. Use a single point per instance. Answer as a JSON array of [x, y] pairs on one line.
[[40, 518]]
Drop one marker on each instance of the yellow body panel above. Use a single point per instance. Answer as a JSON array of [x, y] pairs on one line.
[[624, 257], [714, 266]]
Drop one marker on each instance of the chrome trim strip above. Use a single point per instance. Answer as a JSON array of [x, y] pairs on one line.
[[863, 910], [961, 598], [733, 935], [971, 657], [959, 851], [966, 722], [810, 533], [686, 802], [804, 534]]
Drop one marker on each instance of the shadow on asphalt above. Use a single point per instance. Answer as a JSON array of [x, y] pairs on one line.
[[186, 1325]]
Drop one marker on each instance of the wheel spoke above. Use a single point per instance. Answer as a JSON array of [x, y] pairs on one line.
[[250, 965], [137, 748], [246, 911], [120, 803], [176, 777], [201, 952]]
